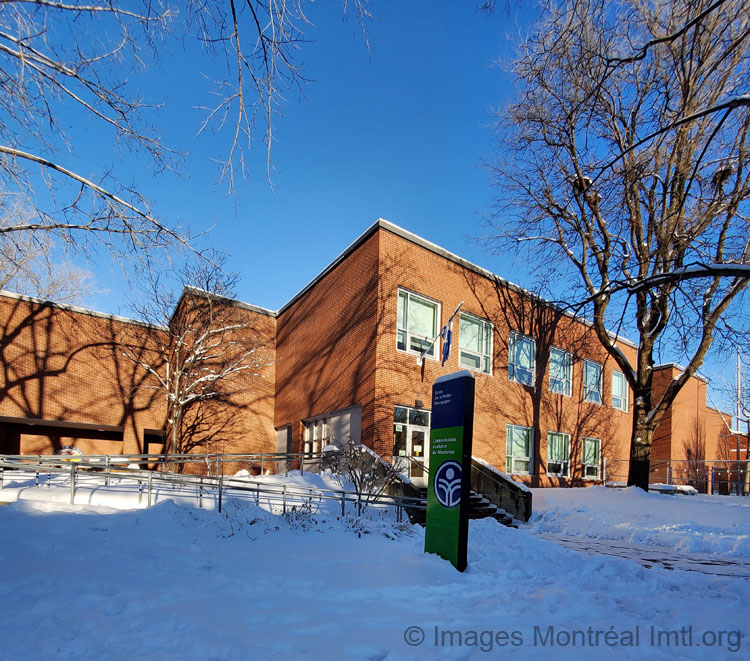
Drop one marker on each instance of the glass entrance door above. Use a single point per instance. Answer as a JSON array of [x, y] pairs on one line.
[[411, 443]]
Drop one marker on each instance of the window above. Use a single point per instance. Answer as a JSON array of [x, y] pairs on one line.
[[417, 324], [518, 446], [560, 371], [591, 458], [558, 454], [316, 435], [592, 382], [521, 358], [475, 343], [619, 391]]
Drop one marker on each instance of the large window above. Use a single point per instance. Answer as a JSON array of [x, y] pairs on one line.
[[592, 382], [558, 454], [417, 324], [316, 435], [560, 371], [521, 358], [591, 453], [475, 343], [619, 391], [518, 450]]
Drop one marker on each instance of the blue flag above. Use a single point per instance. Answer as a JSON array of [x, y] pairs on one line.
[[447, 334]]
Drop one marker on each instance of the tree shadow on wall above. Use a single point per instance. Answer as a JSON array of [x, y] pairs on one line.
[[511, 309]]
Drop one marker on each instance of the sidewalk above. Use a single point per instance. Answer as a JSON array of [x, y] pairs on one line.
[[650, 556]]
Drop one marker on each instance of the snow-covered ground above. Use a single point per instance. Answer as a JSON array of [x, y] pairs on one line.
[[174, 581]]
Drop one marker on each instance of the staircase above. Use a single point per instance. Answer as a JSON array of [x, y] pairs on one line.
[[493, 494], [480, 507]]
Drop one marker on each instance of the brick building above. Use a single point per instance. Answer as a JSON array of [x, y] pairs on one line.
[[344, 360]]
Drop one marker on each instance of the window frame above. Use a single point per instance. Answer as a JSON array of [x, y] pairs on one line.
[[512, 366], [485, 359], [565, 462], [586, 389], [408, 335], [624, 397], [568, 391], [585, 465], [510, 458]]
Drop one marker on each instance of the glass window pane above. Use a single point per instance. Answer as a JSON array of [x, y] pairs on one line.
[[401, 322], [422, 317], [422, 345], [401, 340], [417, 417], [525, 353], [470, 360], [400, 414], [591, 449], [470, 334], [399, 440]]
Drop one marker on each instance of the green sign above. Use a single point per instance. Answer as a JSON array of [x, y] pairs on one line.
[[449, 485]]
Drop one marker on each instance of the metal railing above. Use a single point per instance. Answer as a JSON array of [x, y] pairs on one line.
[[82, 472], [201, 464], [722, 477]]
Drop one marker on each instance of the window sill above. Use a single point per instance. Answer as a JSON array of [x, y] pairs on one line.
[[474, 369]]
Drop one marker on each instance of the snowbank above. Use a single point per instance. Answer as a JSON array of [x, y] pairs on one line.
[[174, 582], [695, 524]]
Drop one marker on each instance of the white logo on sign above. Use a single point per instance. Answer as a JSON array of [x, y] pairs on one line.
[[448, 484]]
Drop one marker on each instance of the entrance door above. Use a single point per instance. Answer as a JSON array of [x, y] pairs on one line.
[[411, 443]]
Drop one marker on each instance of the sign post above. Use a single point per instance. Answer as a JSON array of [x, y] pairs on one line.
[[447, 526]]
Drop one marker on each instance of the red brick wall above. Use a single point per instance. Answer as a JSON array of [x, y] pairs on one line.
[[68, 366], [64, 365], [326, 343], [499, 401]]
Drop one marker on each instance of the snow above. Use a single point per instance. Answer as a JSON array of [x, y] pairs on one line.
[[692, 524], [500, 473], [174, 581]]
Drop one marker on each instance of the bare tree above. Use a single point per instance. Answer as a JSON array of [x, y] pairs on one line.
[[361, 469], [30, 265], [67, 65], [206, 352], [694, 446], [626, 165]]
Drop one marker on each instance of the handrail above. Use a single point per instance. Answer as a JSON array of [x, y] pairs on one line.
[[202, 483]]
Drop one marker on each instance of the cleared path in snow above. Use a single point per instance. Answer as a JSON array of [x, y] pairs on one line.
[[650, 556]]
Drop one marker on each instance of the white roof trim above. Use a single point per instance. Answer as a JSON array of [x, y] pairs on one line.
[[79, 310]]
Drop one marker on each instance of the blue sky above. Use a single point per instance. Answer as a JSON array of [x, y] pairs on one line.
[[398, 132]]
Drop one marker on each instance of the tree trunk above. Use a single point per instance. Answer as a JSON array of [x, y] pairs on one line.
[[640, 450]]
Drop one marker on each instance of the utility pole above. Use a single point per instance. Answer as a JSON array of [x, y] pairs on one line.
[[738, 432]]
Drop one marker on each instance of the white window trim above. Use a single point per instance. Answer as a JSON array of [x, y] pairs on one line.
[[438, 319], [481, 356], [513, 459], [567, 463], [583, 455], [625, 398], [511, 345], [569, 392], [586, 361]]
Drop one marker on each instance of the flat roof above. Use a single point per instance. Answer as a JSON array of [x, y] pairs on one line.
[[79, 310], [381, 223]]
